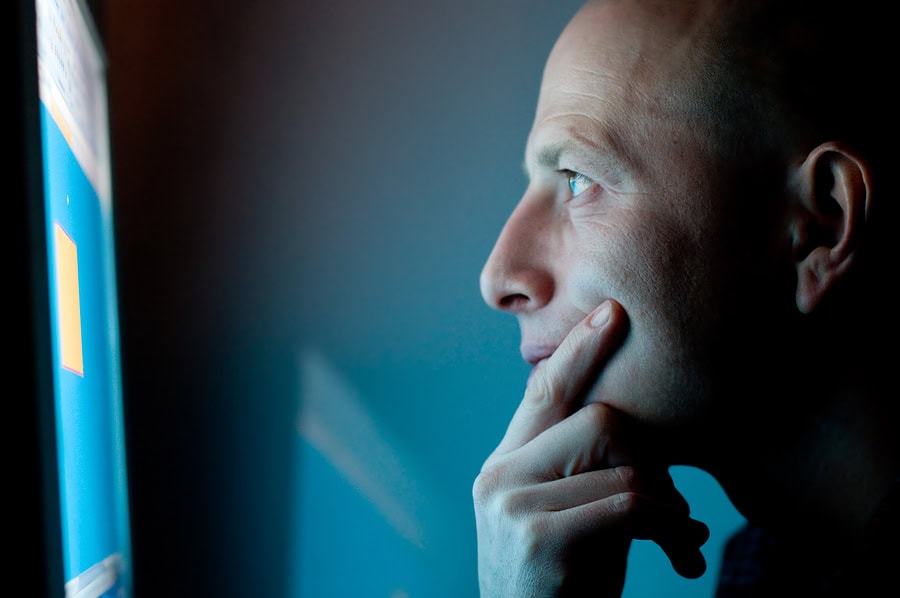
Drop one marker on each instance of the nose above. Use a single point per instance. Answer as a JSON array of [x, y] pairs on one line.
[[517, 277]]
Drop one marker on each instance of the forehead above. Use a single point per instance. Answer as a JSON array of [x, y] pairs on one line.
[[619, 73]]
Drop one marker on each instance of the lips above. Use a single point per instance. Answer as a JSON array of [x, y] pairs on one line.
[[535, 354]]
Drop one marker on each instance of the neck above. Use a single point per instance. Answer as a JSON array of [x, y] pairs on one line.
[[828, 474]]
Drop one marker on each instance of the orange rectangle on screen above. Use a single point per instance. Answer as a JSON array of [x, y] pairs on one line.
[[68, 302]]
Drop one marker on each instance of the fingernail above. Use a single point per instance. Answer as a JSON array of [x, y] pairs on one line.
[[601, 315]]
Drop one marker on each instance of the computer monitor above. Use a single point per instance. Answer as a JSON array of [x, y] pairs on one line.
[[73, 485]]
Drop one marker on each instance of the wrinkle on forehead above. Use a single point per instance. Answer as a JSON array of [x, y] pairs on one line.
[[629, 70], [641, 41], [595, 119]]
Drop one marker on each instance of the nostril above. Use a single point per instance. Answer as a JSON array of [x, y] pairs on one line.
[[514, 301]]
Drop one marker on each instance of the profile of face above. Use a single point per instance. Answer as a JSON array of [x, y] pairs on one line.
[[630, 198]]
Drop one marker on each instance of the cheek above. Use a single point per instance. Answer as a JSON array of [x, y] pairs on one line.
[[655, 271], [644, 264]]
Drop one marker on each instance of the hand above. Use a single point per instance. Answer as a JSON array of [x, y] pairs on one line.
[[561, 497]]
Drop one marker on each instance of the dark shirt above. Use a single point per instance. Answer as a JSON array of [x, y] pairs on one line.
[[757, 564]]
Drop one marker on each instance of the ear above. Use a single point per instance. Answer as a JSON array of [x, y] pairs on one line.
[[833, 189]]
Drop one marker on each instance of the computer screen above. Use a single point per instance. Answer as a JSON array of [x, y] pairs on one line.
[[75, 366]]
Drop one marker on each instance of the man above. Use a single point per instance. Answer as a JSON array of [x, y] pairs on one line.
[[701, 275]]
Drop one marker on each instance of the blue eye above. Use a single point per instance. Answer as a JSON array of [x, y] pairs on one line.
[[578, 183]]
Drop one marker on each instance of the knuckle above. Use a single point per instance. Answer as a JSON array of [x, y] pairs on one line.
[[629, 505], [492, 496], [598, 415], [541, 391], [628, 476], [509, 504], [496, 483], [486, 484], [533, 533]]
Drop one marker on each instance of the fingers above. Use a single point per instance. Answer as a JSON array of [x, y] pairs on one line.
[[556, 387], [636, 512], [591, 510], [581, 489], [683, 548], [679, 536], [577, 444]]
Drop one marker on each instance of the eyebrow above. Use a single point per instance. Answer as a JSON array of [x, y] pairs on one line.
[[603, 154]]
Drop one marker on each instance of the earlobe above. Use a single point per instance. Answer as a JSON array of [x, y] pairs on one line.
[[834, 192]]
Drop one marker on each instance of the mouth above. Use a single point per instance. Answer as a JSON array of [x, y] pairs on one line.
[[536, 355]]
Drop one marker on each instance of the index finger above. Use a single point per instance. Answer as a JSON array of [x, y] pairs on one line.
[[554, 388]]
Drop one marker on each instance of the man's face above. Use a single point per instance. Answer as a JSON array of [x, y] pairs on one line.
[[627, 200]]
